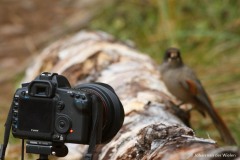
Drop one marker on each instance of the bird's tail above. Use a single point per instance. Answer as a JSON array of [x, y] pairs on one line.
[[221, 126]]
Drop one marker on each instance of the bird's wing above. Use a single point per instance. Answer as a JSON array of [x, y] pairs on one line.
[[191, 86], [189, 81], [195, 88]]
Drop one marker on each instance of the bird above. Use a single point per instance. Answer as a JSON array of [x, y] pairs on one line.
[[183, 83]]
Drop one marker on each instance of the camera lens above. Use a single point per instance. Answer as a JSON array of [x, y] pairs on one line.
[[113, 115]]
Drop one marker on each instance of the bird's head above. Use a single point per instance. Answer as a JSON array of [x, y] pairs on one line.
[[172, 57]]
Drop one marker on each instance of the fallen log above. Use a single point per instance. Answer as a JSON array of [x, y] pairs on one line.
[[153, 128]]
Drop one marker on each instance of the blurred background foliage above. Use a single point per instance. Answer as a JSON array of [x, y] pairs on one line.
[[207, 32]]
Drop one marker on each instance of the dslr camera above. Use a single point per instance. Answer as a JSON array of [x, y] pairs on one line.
[[48, 113]]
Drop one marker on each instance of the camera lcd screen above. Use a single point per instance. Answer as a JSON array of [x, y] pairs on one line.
[[36, 114]]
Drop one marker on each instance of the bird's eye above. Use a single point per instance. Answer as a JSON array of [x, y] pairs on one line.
[[169, 54]]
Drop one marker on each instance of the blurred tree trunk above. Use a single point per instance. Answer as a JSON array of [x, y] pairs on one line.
[[153, 126]]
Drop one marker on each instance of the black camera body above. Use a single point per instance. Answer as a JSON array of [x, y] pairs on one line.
[[48, 109], [43, 111]]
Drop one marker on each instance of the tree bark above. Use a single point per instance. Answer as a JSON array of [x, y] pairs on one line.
[[154, 128]]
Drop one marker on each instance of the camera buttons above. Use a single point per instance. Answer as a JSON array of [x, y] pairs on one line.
[[78, 96], [15, 107], [15, 114], [14, 122], [23, 93], [72, 94], [84, 97], [82, 105], [60, 105], [62, 124], [56, 136], [16, 99], [16, 103]]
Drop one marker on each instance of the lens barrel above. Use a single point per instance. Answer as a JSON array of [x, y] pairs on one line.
[[113, 115]]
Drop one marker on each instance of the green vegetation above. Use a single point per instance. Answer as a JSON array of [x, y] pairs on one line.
[[207, 32]]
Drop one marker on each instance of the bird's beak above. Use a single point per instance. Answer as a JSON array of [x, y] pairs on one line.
[[173, 55]]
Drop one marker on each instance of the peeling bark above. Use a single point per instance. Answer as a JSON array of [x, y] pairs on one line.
[[153, 128]]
